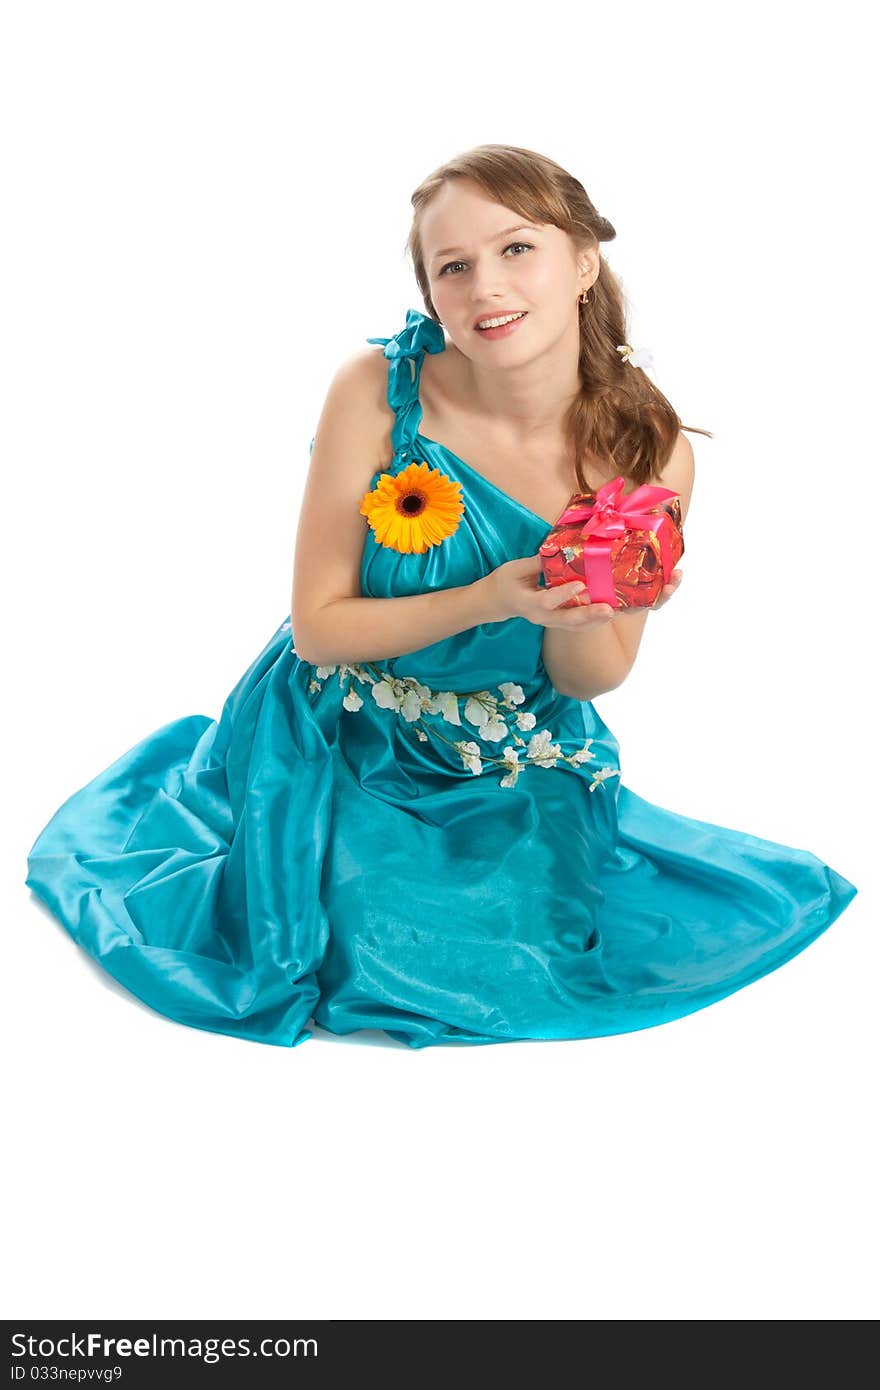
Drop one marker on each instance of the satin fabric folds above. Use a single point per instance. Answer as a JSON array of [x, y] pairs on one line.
[[309, 858]]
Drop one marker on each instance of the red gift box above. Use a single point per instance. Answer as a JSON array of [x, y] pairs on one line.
[[624, 547]]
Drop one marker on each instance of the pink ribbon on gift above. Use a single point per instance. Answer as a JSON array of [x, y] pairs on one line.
[[609, 517]]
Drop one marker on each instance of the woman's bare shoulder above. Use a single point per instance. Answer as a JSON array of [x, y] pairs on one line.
[[358, 392], [678, 471], [366, 372]]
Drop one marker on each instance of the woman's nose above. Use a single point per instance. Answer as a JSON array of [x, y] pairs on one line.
[[487, 285]]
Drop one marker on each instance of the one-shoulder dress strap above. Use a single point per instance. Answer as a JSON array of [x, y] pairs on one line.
[[405, 353]]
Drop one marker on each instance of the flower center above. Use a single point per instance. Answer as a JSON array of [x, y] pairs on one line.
[[412, 503]]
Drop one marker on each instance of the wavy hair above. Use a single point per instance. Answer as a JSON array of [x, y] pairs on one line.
[[619, 416]]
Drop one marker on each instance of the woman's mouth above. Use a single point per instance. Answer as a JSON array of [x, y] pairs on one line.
[[502, 330]]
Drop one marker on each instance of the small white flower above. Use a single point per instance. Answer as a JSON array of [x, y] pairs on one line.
[[352, 700], [584, 754], [445, 703], [475, 711], [636, 357], [323, 671], [383, 693], [541, 751], [525, 720], [470, 756], [285, 625], [494, 730], [513, 693], [511, 761], [410, 705], [602, 774]]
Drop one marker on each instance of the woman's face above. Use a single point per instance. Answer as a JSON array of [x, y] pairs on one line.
[[484, 260]]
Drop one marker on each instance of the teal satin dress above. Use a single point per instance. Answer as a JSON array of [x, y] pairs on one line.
[[438, 846]]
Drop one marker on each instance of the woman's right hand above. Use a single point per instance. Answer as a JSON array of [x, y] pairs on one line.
[[512, 592]]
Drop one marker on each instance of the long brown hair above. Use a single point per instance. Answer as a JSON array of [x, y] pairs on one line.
[[619, 417]]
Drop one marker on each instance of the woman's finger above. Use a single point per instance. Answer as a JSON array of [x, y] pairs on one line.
[[668, 590], [563, 593]]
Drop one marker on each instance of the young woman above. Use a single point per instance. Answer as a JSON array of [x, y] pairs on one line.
[[409, 815]]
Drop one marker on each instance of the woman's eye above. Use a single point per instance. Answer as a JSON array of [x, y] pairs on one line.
[[512, 245]]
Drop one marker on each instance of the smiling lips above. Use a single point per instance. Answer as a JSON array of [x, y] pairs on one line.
[[501, 314]]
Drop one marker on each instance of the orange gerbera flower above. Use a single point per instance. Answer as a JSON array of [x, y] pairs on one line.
[[414, 509]]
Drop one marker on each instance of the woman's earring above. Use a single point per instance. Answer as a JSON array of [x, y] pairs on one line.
[[584, 297]]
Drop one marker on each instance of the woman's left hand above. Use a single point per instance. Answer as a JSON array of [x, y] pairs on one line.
[[664, 596], [668, 590]]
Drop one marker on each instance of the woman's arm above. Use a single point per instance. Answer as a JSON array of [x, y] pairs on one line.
[[331, 623], [348, 631], [594, 660], [586, 663]]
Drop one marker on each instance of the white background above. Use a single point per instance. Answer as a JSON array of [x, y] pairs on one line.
[[206, 211]]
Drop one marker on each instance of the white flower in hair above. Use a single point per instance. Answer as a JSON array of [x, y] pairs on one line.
[[636, 357]]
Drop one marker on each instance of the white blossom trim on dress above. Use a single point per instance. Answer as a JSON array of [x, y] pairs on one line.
[[486, 712]]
